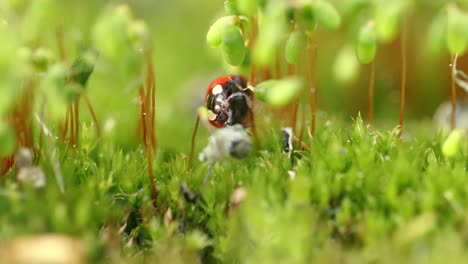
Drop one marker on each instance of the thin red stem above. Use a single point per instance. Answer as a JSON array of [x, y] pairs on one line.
[[403, 78], [93, 115], [453, 120], [77, 120], [154, 193], [370, 111], [312, 83], [192, 146]]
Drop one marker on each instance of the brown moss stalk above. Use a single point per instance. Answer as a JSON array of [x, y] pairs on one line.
[[370, 110], [303, 127], [72, 125], [253, 78], [77, 119], [312, 89], [194, 135], [403, 78], [453, 88], [149, 149], [151, 97], [93, 115]]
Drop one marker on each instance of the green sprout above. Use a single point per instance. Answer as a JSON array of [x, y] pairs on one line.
[[453, 144], [367, 43]]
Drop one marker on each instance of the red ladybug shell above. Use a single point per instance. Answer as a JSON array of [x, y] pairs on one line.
[[219, 93], [221, 81]]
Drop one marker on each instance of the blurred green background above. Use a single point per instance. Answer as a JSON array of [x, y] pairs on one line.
[[185, 65]]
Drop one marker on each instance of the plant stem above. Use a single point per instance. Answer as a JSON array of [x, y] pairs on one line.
[[453, 121], [292, 70], [403, 78], [312, 82], [253, 38], [65, 127], [278, 71], [303, 126], [61, 45], [93, 115], [370, 111], [151, 97], [77, 119], [192, 146], [149, 150], [143, 114], [72, 124]]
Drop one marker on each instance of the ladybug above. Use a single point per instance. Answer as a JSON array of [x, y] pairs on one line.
[[228, 100]]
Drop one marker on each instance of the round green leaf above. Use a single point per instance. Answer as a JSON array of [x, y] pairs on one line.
[[230, 6], [138, 34], [387, 19], [452, 144], [327, 16], [233, 45], [346, 66], [261, 89], [248, 7], [306, 17], [457, 34], [213, 37], [295, 45], [367, 43], [41, 58], [435, 43], [278, 92]]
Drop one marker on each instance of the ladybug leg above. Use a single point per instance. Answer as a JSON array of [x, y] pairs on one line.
[[235, 86]]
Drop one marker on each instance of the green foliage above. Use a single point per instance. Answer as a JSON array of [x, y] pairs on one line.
[[453, 144], [388, 15], [295, 46], [111, 32], [457, 36], [83, 67], [40, 14], [436, 36], [230, 6], [326, 14], [248, 7], [353, 194], [367, 43], [7, 140], [233, 45], [279, 92], [272, 26], [346, 65], [213, 37]]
